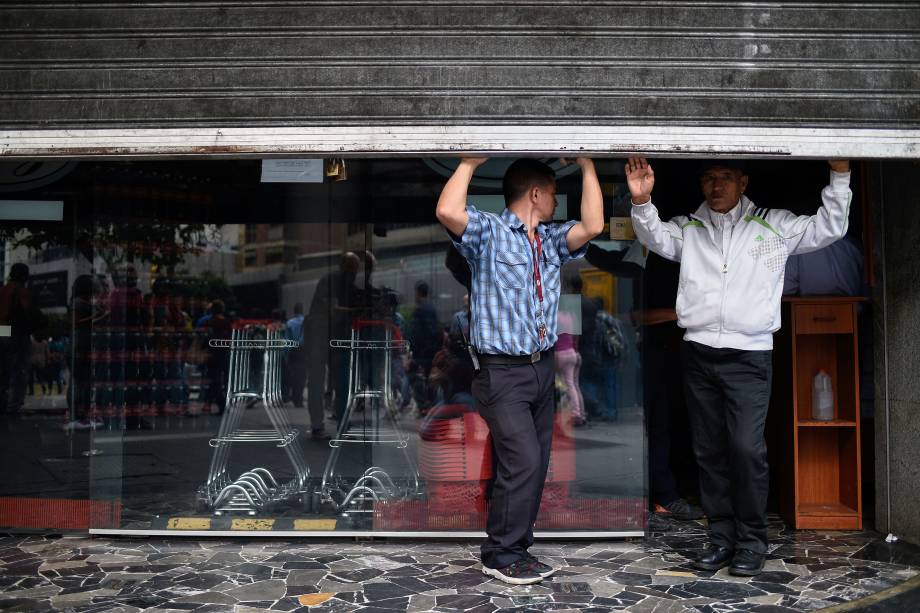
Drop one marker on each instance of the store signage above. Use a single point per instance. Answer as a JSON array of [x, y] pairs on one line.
[[49, 289], [31, 210], [26, 175], [621, 229], [292, 171]]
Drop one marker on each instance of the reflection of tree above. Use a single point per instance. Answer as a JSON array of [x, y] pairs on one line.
[[164, 244], [207, 286]]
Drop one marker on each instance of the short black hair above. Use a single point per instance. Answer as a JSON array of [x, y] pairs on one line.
[[19, 272], [705, 165], [524, 174], [421, 288]]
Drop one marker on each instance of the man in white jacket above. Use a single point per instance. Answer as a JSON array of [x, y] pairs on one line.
[[732, 258]]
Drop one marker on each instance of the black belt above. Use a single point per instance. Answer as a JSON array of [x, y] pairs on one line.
[[492, 359]]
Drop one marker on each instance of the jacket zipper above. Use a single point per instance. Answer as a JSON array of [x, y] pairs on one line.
[[726, 248]]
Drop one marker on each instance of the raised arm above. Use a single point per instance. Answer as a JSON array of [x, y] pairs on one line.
[[804, 233], [664, 238], [592, 208], [451, 209]]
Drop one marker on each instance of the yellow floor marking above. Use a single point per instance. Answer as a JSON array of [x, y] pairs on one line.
[[189, 523], [314, 524], [251, 524]]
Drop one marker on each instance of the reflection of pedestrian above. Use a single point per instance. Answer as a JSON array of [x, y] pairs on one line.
[[599, 374], [424, 332], [56, 364], [401, 386], [126, 301], [85, 311], [164, 304], [38, 360], [460, 322], [296, 376], [329, 317], [610, 346], [19, 313], [219, 326], [568, 365], [661, 342], [664, 408], [451, 375]]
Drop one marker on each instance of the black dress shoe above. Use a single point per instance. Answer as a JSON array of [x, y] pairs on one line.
[[747, 563], [714, 558]]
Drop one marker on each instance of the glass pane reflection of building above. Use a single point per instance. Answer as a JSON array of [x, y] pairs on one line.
[[293, 355]]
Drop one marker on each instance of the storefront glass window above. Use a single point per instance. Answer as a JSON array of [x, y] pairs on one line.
[[227, 354]]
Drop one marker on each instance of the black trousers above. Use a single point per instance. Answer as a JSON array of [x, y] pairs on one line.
[[518, 404], [728, 393]]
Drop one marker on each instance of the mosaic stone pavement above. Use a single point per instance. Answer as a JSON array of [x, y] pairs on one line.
[[805, 571]]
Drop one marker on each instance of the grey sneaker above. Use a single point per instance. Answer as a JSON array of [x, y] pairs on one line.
[[516, 573], [657, 523], [544, 570]]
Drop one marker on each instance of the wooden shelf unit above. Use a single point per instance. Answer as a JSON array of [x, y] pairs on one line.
[[824, 455]]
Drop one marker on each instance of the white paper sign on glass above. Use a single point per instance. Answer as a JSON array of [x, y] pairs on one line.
[[292, 171]]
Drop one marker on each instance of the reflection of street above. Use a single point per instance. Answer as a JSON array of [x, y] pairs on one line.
[[41, 402], [611, 456], [157, 470]]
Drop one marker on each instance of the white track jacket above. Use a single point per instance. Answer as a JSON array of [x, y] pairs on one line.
[[732, 299]]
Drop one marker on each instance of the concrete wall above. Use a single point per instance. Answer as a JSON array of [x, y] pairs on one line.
[[895, 187]]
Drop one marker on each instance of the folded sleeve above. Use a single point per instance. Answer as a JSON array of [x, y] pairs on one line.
[[557, 235], [471, 242]]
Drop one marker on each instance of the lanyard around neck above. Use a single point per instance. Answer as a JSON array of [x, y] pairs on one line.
[[537, 256]]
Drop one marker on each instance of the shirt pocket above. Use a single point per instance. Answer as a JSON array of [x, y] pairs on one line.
[[552, 271], [511, 269]]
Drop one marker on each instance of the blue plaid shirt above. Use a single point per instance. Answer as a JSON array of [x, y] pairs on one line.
[[503, 301]]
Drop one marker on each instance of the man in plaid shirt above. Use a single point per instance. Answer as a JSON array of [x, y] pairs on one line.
[[516, 259]]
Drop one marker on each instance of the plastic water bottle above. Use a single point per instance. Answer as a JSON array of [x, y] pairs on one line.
[[822, 397]]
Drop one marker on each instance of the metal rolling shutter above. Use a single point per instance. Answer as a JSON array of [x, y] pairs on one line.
[[411, 76]]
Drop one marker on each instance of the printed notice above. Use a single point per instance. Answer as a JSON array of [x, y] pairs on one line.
[[292, 171]]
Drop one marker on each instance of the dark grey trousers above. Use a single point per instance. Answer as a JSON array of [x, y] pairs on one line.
[[728, 393], [518, 404], [317, 340]]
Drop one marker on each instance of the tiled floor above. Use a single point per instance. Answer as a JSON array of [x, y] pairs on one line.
[[805, 571]]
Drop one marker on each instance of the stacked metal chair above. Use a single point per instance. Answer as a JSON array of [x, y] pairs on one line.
[[255, 490], [377, 424]]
